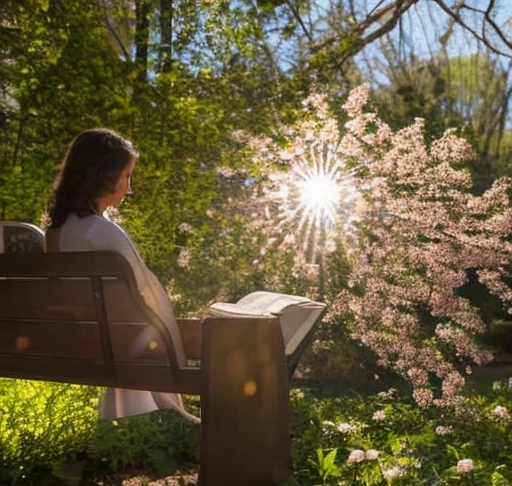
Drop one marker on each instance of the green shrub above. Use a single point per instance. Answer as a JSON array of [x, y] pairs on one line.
[[499, 336], [341, 364], [42, 423], [50, 434], [157, 443]]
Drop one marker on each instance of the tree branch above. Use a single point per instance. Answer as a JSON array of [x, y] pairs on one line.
[[113, 31], [455, 15], [298, 18]]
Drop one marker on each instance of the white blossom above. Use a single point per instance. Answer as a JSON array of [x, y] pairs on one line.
[[357, 455], [372, 454], [185, 228], [444, 430], [184, 258], [501, 412], [379, 415], [394, 472], [345, 428], [465, 466]]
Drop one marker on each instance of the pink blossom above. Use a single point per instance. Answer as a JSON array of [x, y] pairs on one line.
[[393, 472], [444, 430], [465, 466], [371, 454], [412, 228], [184, 258], [355, 456]]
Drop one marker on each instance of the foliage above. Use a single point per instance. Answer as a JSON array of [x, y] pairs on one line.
[[386, 439], [52, 430], [64, 77], [42, 423], [356, 440], [469, 92], [157, 443]]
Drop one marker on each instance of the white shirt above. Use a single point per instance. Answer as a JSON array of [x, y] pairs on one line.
[[95, 232]]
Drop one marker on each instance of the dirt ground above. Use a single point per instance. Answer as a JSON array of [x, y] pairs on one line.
[[178, 479]]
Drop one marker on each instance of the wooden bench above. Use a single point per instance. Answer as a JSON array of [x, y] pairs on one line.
[[78, 318]]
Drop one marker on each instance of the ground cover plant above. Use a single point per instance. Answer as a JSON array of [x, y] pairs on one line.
[[386, 439], [50, 434], [344, 438]]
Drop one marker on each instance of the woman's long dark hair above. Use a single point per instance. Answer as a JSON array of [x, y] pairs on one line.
[[90, 170]]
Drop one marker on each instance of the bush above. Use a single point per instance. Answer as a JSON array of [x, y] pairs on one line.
[[499, 336], [41, 424], [157, 443], [51, 432], [341, 363], [386, 439]]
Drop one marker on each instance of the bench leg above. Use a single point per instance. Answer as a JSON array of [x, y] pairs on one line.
[[245, 404]]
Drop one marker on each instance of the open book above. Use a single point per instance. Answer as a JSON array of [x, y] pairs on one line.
[[297, 315]]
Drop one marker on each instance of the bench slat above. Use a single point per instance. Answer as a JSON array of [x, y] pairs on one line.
[[51, 338], [42, 299], [78, 371]]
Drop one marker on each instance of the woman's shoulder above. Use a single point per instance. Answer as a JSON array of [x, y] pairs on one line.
[[98, 231], [101, 227], [94, 221]]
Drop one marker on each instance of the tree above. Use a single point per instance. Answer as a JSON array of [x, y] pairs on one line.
[[471, 93], [403, 208], [342, 29], [422, 231]]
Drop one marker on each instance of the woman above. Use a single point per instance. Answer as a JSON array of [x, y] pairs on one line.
[[94, 176]]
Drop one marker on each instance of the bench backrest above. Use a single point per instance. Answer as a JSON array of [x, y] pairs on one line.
[[77, 317], [16, 237]]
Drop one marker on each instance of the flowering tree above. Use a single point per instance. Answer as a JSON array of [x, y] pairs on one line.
[[403, 208], [422, 231]]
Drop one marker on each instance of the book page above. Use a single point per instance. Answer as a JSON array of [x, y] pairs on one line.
[[297, 322], [257, 303], [297, 315]]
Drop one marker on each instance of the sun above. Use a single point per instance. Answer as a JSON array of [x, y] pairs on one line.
[[319, 186], [319, 198], [316, 199], [319, 195]]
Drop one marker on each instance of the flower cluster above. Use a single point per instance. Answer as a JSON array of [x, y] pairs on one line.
[[444, 430], [421, 231], [358, 455], [465, 466], [379, 415], [501, 413], [393, 472], [346, 428]]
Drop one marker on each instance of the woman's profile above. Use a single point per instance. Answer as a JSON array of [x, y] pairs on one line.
[[94, 176]]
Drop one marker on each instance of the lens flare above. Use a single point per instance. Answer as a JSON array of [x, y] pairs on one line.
[[318, 197], [319, 194]]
